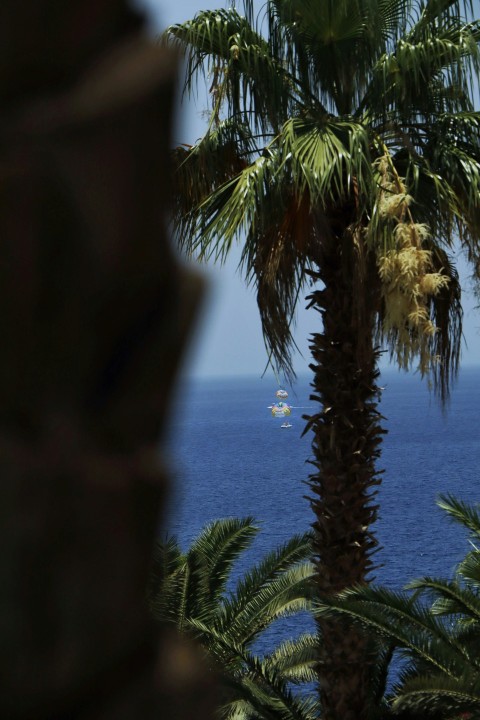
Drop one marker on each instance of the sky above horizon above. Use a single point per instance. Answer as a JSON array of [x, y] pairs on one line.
[[228, 338]]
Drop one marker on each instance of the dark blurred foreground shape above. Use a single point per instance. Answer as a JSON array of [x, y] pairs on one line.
[[94, 311]]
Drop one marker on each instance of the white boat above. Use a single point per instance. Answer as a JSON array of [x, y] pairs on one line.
[[286, 425]]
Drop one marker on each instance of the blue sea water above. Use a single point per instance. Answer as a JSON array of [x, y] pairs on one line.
[[229, 457]]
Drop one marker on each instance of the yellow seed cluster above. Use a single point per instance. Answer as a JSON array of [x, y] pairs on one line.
[[405, 270]]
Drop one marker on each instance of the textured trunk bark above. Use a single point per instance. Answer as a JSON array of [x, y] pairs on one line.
[[347, 435]]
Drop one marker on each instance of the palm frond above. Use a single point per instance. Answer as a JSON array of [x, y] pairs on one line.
[[439, 696], [280, 584], [459, 167], [257, 683], [275, 259], [295, 660], [297, 549], [286, 595], [190, 585], [165, 579], [246, 79], [462, 599], [322, 42], [462, 512], [469, 570], [213, 553], [218, 157], [329, 160], [256, 205], [403, 620], [430, 69], [190, 590]]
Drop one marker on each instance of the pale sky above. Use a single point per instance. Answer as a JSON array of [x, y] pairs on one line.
[[228, 338]]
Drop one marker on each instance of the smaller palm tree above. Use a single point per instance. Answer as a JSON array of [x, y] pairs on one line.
[[436, 628], [191, 590]]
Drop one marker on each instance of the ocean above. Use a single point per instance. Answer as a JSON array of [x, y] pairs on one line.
[[227, 456]]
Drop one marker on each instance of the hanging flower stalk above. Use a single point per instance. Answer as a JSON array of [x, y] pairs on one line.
[[408, 279]]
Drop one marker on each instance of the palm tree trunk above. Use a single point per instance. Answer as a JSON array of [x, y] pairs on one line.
[[347, 435]]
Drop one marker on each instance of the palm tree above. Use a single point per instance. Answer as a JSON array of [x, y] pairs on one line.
[[191, 590], [437, 629], [343, 151]]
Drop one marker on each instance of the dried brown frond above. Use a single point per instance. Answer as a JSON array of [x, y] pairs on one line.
[[275, 263]]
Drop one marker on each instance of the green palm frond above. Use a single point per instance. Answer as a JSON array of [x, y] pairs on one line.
[[244, 76], [283, 596], [189, 585], [462, 599], [257, 685], [428, 70], [323, 42], [439, 696], [295, 660], [222, 541], [277, 229], [442, 671], [462, 512], [219, 156], [232, 209], [393, 17], [447, 604], [469, 569], [327, 159], [281, 584], [212, 555], [429, 50], [402, 619], [434, 9], [378, 678], [274, 564], [165, 579], [461, 166], [190, 590]]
